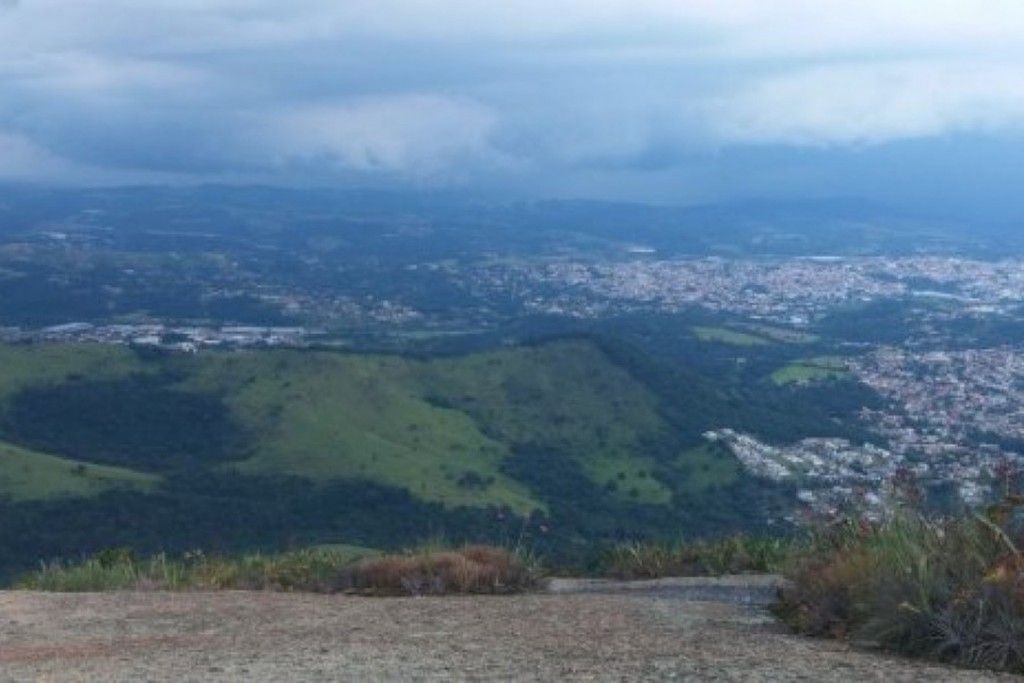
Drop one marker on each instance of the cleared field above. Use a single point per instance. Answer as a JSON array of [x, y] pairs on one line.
[[811, 370], [723, 335], [782, 335]]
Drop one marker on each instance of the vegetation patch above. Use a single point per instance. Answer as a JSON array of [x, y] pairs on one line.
[[442, 429], [326, 416], [137, 421], [574, 442], [473, 569], [707, 468], [314, 569], [951, 590], [566, 398], [351, 569], [723, 335], [812, 370], [739, 554], [783, 335], [27, 475], [26, 366]]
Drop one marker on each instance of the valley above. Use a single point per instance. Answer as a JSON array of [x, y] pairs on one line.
[[406, 365]]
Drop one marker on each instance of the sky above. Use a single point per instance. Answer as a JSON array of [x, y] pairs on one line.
[[672, 101]]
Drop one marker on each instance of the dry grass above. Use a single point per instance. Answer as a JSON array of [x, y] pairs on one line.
[[474, 569]]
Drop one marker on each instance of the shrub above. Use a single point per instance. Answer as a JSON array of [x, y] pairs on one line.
[[946, 589], [733, 555], [474, 569], [107, 571]]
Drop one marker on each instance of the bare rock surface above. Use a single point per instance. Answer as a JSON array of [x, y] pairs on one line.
[[578, 631]]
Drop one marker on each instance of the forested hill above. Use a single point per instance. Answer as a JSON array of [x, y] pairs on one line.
[[564, 443]]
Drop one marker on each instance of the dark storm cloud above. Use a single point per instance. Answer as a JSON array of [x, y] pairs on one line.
[[645, 98]]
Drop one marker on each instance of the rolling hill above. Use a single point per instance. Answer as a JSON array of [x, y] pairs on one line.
[[556, 432]]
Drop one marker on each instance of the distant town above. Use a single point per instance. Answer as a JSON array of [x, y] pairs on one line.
[[794, 291], [185, 339]]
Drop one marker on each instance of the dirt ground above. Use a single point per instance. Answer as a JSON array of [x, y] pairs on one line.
[[575, 632]]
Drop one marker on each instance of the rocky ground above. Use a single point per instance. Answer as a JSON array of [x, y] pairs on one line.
[[677, 630]]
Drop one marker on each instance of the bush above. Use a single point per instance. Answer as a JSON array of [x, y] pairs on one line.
[[733, 555], [951, 589], [473, 569]]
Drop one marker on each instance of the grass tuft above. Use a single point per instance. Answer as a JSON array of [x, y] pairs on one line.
[[951, 590], [733, 555], [431, 570]]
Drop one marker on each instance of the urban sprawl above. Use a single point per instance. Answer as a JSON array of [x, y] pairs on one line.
[[953, 413]]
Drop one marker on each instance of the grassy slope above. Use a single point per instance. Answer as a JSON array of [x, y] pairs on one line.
[[708, 467], [811, 369], [564, 397], [440, 428], [783, 335], [424, 425], [328, 415], [30, 475], [21, 366]]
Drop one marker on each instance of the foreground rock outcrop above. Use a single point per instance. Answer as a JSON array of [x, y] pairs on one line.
[[682, 630]]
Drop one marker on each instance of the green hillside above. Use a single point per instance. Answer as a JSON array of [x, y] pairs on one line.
[[564, 398], [440, 428], [24, 366], [105, 446], [27, 475], [327, 416]]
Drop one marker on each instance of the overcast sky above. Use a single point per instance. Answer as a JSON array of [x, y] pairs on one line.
[[663, 100]]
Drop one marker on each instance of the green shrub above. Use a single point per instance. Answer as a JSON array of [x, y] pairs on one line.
[[946, 589]]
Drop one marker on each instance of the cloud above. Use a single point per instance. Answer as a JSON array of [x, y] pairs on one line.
[[870, 103], [419, 135], [23, 160], [458, 90]]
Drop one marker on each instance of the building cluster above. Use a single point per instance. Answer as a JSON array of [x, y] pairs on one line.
[[171, 338], [948, 416], [792, 290], [831, 474], [959, 413]]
